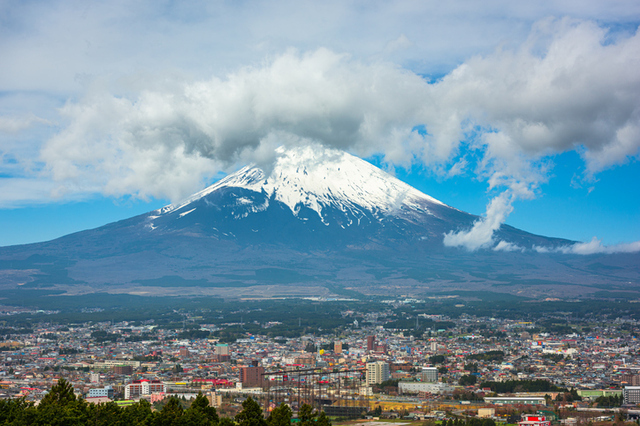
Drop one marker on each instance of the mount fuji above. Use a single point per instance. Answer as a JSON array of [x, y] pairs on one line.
[[318, 222], [321, 200]]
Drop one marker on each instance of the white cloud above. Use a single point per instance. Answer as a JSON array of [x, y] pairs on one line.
[[15, 124], [555, 93], [164, 142], [481, 234], [506, 246], [594, 246], [569, 85], [564, 89], [19, 191], [50, 45]]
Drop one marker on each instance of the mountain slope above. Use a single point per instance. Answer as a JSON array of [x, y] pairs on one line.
[[331, 197], [317, 223]]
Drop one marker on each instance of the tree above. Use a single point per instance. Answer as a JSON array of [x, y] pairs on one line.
[[61, 407], [376, 412], [60, 394], [280, 416], [137, 414], [104, 414], [468, 380], [226, 421], [200, 413], [171, 414], [306, 415], [437, 359], [17, 411], [323, 420], [251, 414]]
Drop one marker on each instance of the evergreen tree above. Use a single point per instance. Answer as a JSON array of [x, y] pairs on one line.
[[104, 414], [17, 411], [60, 394], [226, 421], [251, 414], [137, 414], [61, 407], [200, 413], [306, 415], [323, 420], [280, 416], [171, 414]]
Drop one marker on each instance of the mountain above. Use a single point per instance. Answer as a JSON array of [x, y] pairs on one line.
[[310, 200], [316, 223]]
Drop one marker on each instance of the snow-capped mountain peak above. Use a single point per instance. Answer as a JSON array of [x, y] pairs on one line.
[[319, 179]]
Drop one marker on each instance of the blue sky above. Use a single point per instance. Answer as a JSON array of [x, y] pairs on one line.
[[523, 114]]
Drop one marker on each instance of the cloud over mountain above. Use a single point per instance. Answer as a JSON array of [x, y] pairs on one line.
[[571, 86]]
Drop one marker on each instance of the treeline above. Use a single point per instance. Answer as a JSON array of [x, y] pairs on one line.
[[61, 407], [610, 401], [511, 386], [487, 356]]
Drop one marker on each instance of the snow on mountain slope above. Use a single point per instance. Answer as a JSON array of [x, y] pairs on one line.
[[319, 180]]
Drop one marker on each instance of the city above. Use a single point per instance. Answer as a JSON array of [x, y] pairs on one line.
[[453, 367]]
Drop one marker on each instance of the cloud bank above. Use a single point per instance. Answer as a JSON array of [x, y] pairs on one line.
[[594, 246], [569, 86]]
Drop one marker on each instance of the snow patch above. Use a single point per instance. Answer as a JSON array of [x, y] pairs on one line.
[[185, 213]]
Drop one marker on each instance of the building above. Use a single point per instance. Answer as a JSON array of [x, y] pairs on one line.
[[106, 391], [631, 379], [215, 399], [423, 387], [143, 387], [371, 343], [429, 374], [109, 363], [377, 372], [511, 400], [631, 395], [486, 413], [337, 348], [534, 420], [251, 377], [222, 349], [221, 353], [381, 348], [124, 370]]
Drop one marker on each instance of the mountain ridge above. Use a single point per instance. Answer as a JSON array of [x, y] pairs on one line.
[[315, 224]]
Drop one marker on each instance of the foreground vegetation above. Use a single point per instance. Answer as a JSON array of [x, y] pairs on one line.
[[61, 407]]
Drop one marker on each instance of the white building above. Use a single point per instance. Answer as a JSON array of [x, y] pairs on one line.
[[417, 387], [429, 374], [377, 372], [107, 391], [143, 387], [631, 394], [222, 349]]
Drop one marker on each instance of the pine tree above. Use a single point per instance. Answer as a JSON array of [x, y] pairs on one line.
[[280, 416], [171, 414], [200, 413], [251, 414]]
